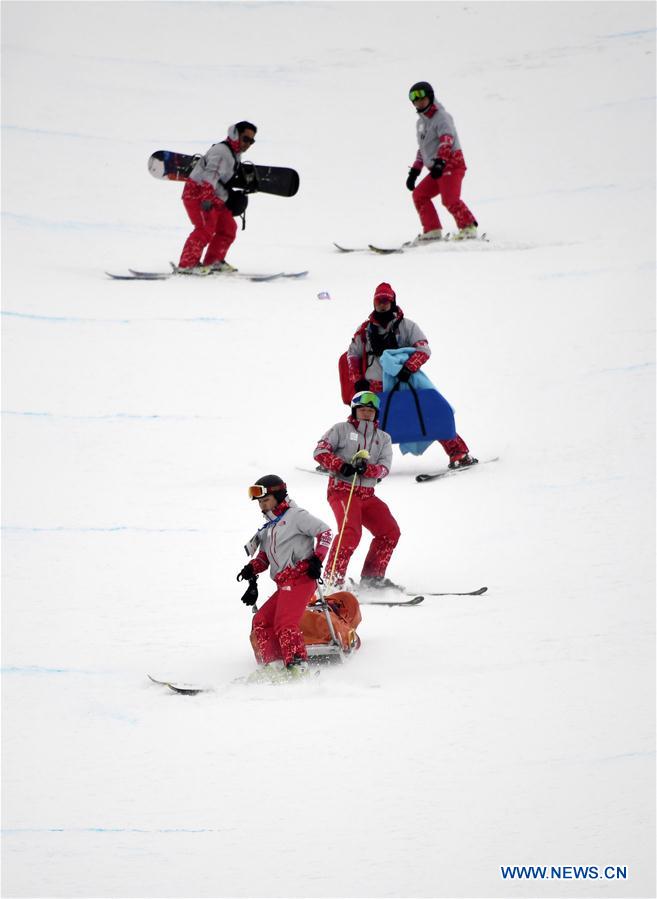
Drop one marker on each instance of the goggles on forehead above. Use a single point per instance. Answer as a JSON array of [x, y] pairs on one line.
[[366, 398], [259, 491], [417, 95]]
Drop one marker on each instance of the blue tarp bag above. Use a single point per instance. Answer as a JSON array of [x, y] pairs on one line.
[[414, 414]]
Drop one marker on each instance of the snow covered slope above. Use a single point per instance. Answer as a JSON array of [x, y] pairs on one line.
[[469, 734]]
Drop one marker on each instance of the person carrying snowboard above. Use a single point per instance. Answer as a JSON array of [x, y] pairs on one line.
[[439, 149], [388, 328], [357, 454], [292, 544], [211, 204]]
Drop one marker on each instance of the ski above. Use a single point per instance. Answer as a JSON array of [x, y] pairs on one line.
[[412, 244], [415, 601], [478, 592], [350, 249], [155, 276], [184, 689], [135, 275], [258, 677], [448, 472], [249, 276]]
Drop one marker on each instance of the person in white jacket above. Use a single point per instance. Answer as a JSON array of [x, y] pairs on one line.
[[292, 544], [439, 149], [211, 204], [357, 454]]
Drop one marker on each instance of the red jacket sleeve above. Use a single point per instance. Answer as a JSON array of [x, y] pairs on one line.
[[260, 563]]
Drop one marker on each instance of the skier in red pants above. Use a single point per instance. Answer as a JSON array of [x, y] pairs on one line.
[[292, 544], [357, 454], [211, 204], [439, 149]]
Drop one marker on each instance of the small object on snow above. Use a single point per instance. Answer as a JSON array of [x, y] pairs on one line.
[[323, 295]]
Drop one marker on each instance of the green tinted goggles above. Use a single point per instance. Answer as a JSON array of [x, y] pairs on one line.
[[365, 398], [417, 95]]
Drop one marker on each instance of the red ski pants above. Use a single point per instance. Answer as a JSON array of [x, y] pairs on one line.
[[215, 229], [455, 448], [368, 512], [449, 188], [276, 625]]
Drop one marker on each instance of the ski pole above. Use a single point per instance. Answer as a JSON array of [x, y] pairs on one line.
[[344, 522], [358, 456]]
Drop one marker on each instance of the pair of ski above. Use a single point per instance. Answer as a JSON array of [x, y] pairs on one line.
[[412, 244], [135, 275]]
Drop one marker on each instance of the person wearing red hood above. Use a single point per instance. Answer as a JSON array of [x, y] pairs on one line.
[[211, 204], [439, 149], [387, 328]]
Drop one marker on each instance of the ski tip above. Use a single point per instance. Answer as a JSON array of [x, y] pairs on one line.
[[480, 591], [183, 689]]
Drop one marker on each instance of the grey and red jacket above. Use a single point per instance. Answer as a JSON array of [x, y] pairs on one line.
[[342, 441], [215, 169], [289, 538], [437, 139], [371, 339]]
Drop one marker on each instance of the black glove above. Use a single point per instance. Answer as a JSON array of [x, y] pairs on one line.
[[347, 470], [206, 205], [237, 202], [404, 374], [413, 175], [314, 567], [247, 573], [360, 465], [251, 596], [363, 384], [437, 168]]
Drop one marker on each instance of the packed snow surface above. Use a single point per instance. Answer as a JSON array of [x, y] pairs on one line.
[[510, 729]]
